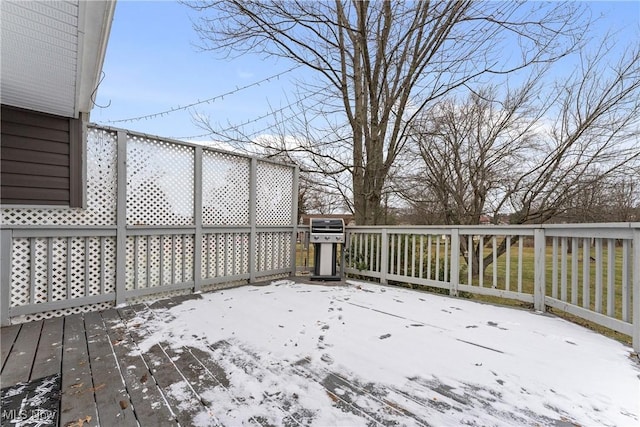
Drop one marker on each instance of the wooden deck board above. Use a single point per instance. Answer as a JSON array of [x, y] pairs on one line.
[[112, 399], [20, 361], [77, 399], [48, 359], [146, 397], [7, 338], [184, 402]]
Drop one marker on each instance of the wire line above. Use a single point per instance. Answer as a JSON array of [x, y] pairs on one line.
[[206, 101]]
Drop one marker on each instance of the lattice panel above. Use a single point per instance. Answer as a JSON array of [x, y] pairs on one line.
[[273, 251], [175, 263], [154, 261], [131, 260], [242, 256], [209, 252], [165, 266], [225, 189], [91, 257], [93, 253], [40, 273], [158, 296], [220, 244], [59, 270], [224, 285], [180, 258], [101, 190], [188, 262], [160, 182], [63, 312], [274, 194], [225, 254], [20, 273], [77, 267], [263, 251], [109, 264], [284, 242]]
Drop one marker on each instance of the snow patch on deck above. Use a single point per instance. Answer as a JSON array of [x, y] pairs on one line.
[[365, 353]]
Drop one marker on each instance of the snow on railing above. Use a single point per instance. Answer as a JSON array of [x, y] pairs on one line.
[[588, 270]]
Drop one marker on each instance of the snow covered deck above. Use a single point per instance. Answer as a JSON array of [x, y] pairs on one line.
[[307, 354]]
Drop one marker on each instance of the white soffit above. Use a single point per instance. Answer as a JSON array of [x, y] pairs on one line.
[[52, 53]]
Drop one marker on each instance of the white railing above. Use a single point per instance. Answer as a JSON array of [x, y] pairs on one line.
[[161, 217], [588, 270]]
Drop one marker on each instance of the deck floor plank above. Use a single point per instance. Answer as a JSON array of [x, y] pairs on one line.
[[77, 400], [146, 397], [49, 354], [7, 338], [204, 374], [112, 399], [20, 360], [184, 402]]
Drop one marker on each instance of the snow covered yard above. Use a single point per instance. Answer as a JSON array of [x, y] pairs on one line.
[[363, 354]]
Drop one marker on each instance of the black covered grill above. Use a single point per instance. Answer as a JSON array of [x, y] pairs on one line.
[[326, 234], [327, 230]]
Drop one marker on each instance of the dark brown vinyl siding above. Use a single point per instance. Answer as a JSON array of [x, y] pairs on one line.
[[41, 158]]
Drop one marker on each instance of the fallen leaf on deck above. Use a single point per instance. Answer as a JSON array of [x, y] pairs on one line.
[[80, 422]]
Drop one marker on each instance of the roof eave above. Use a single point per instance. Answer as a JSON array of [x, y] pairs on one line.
[[94, 26]]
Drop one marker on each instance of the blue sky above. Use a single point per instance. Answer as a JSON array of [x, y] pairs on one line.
[[153, 65]]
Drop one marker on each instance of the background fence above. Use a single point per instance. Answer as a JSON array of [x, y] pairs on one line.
[[588, 270], [162, 216]]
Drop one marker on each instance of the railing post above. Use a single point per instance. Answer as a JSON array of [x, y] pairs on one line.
[[197, 218], [294, 220], [384, 256], [454, 277], [121, 219], [253, 234], [6, 244], [343, 256], [539, 287], [636, 290]]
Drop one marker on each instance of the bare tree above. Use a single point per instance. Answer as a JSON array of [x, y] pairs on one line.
[[491, 154], [467, 153], [595, 135], [614, 199], [380, 64]]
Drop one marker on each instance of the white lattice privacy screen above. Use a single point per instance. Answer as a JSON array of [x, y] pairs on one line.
[[186, 222]]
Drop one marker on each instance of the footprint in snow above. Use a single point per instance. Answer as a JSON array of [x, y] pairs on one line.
[[495, 325], [326, 358]]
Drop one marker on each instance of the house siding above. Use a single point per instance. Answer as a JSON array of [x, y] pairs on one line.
[[41, 158]]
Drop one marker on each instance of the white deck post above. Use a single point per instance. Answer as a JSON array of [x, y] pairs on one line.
[[253, 234], [197, 218], [636, 290], [6, 244], [454, 277], [539, 287], [384, 256], [294, 222], [121, 219]]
